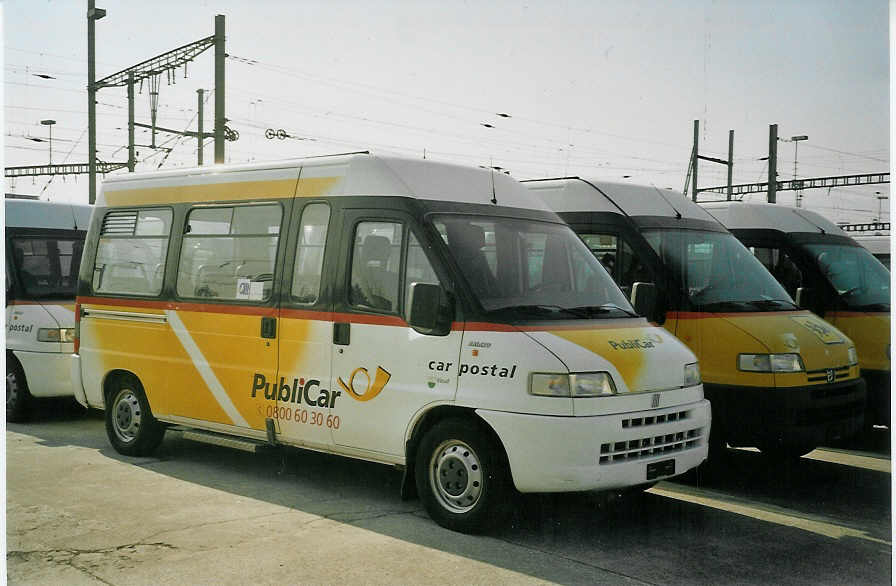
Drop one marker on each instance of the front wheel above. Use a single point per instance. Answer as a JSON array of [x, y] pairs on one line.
[[18, 398], [130, 425], [461, 477]]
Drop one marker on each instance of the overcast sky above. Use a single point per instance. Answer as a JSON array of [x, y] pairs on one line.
[[601, 89]]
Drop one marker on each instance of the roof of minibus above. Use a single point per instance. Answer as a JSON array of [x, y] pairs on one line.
[[737, 215], [29, 213], [575, 194], [358, 174]]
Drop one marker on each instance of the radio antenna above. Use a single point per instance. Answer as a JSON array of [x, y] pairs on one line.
[[492, 169], [662, 195]]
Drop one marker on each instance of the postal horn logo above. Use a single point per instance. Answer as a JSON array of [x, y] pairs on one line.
[[370, 390]]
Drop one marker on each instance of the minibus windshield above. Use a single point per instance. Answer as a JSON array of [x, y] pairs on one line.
[[860, 280], [525, 269], [47, 267], [718, 272]]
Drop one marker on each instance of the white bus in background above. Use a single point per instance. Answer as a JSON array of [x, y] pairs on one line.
[[878, 245], [43, 245]]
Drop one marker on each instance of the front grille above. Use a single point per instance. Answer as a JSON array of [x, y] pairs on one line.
[[646, 447], [655, 419], [814, 376], [828, 392]]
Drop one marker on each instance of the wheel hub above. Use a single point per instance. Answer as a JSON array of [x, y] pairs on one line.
[[126, 416], [456, 475]]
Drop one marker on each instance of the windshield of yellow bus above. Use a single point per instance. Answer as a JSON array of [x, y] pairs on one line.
[[860, 280], [717, 272]]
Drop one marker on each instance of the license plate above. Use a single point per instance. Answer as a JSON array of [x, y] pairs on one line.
[[657, 469]]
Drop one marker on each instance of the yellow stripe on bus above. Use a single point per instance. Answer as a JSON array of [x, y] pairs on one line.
[[222, 192]]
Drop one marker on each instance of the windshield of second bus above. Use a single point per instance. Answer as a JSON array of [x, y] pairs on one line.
[[860, 280], [524, 269], [47, 267], [718, 272]]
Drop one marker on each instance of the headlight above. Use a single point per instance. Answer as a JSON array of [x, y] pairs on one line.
[[770, 362], [852, 355], [582, 384], [549, 385], [56, 335], [691, 374], [592, 384]]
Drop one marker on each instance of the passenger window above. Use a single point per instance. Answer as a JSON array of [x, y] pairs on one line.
[[133, 246], [310, 253], [781, 266], [376, 257], [418, 270], [229, 252]]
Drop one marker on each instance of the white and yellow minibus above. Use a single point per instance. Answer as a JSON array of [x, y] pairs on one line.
[[778, 377], [43, 252], [827, 272], [429, 316]]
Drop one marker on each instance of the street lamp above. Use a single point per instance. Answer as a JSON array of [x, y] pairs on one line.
[[796, 143], [50, 123]]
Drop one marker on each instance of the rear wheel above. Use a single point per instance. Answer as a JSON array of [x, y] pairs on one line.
[[18, 397], [461, 477], [130, 425]]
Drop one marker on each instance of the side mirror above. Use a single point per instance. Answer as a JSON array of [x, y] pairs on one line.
[[805, 297], [431, 309], [644, 300]]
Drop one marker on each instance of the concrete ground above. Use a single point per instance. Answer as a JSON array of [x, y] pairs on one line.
[[79, 513]]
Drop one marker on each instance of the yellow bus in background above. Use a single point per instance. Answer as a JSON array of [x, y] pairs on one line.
[[778, 377], [827, 272]]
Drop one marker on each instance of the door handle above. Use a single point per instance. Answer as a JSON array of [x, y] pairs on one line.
[[268, 327], [342, 333]]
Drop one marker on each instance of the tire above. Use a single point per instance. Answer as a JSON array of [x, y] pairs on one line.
[[18, 397], [130, 425], [462, 477]]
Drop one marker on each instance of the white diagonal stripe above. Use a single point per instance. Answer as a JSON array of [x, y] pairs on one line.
[[205, 371]]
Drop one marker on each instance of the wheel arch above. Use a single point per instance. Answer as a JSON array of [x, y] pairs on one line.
[[114, 375], [428, 419], [11, 358]]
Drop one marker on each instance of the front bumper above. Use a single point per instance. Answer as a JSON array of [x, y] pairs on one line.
[[807, 415], [569, 454], [878, 396]]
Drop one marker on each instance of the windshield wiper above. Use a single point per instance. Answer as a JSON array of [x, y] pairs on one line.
[[773, 303], [723, 305], [542, 309], [605, 308]]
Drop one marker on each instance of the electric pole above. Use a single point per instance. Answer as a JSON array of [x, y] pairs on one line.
[[772, 163], [93, 15], [694, 158], [220, 120]]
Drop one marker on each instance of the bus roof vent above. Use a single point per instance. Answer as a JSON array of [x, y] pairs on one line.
[[120, 223]]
